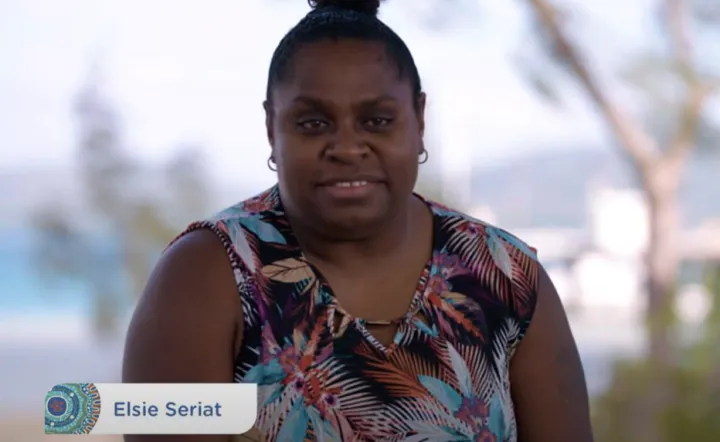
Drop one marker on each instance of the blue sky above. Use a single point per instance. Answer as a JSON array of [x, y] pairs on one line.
[[190, 71]]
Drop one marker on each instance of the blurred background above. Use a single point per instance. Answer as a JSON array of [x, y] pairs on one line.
[[591, 129]]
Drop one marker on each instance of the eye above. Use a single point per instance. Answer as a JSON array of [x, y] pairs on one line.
[[312, 124], [378, 122]]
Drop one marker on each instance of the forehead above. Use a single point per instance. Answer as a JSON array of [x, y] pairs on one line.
[[342, 71]]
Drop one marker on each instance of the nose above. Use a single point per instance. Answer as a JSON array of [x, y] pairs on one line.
[[347, 146]]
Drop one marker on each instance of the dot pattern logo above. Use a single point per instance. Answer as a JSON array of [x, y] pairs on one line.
[[72, 409]]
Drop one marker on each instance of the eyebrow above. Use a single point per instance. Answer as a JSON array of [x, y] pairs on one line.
[[317, 102]]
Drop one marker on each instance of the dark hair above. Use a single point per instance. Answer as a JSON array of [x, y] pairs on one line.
[[336, 19]]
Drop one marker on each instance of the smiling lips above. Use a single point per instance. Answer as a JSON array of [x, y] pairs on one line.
[[351, 189], [351, 183]]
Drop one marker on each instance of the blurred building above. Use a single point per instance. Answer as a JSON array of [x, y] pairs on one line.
[[599, 270]]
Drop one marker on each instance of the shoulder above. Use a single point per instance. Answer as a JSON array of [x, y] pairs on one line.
[[193, 272], [456, 224], [188, 307], [211, 252], [258, 215], [501, 263], [253, 207], [244, 226]]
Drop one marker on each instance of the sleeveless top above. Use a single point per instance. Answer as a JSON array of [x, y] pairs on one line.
[[322, 376]]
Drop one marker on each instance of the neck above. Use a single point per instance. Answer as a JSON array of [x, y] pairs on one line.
[[370, 249]]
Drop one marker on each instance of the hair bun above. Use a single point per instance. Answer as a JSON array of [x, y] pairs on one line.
[[369, 7]]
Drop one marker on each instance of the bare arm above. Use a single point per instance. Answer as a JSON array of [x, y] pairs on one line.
[[187, 326], [548, 383]]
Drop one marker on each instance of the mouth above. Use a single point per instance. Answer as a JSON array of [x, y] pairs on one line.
[[357, 183], [350, 189], [350, 181]]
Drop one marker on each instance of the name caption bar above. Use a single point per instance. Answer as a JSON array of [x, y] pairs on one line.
[[150, 409]]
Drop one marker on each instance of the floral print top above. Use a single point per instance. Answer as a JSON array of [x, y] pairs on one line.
[[443, 378]]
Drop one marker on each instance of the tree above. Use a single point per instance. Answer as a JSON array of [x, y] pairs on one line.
[[693, 413], [110, 241], [658, 157]]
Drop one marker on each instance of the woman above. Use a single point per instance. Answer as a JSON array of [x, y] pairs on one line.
[[363, 311]]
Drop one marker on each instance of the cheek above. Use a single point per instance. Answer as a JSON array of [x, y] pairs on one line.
[[402, 159], [403, 168], [403, 149], [289, 149], [295, 163]]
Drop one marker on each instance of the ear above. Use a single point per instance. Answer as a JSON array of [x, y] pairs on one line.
[[420, 106], [269, 123]]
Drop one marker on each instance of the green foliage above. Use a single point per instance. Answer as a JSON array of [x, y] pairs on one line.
[[695, 382], [692, 416]]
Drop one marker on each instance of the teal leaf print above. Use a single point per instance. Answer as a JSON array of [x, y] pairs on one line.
[[444, 393], [265, 374], [266, 232], [433, 332], [295, 424], [242, 246], [276, 391], [461, 371], [499, 253], [516, 243], [323, 429], [496, 420]]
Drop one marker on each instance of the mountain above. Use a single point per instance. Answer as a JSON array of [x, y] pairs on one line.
[[551, 188]]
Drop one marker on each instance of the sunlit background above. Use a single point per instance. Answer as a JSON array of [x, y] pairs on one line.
[[591, 129]]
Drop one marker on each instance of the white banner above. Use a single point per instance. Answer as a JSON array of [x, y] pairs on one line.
[[150, 409]]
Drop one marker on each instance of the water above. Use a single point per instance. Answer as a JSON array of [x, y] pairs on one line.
[[26, 288], [23, 287]]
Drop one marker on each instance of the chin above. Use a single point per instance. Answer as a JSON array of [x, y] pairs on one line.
[[350, 227]]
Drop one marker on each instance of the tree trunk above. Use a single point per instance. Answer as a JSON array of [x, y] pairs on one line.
[[663, 262]]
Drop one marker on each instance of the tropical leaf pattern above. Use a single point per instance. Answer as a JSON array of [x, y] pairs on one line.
[[323, 377]]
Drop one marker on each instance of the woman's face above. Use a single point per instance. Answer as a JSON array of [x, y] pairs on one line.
[[345, 133]]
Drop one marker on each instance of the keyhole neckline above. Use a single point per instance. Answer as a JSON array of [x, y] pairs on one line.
[[417, 301]]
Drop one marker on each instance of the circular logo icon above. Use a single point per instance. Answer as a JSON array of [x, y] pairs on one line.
[[57, 406], [71, 409]]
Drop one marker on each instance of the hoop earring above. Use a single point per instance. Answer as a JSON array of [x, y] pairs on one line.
[[423, 159], [271, 164]]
